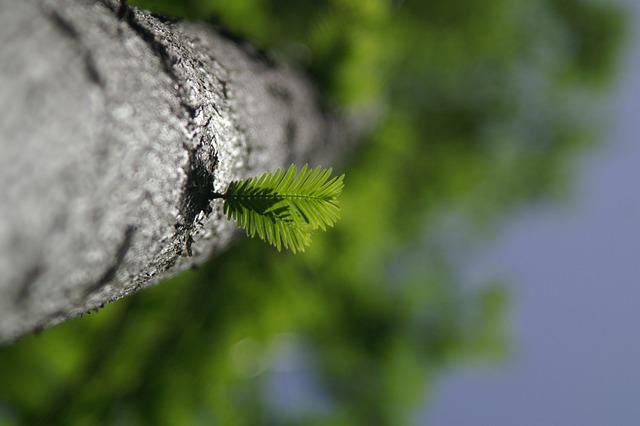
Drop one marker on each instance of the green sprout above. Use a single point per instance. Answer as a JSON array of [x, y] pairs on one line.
[[284, 207]]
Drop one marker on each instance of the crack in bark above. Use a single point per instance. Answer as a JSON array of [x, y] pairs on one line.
[[290, 134], [67, 28], [26, 284], [199, 189], [281, 93], [108, 275], [199, 185], [122, 9], [127, 14]]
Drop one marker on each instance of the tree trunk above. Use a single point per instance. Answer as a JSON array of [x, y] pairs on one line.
[[116, 128]]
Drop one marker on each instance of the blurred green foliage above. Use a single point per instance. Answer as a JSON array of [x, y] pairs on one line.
[[484, 105]]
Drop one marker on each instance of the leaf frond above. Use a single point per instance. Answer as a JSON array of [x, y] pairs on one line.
[[285, 207]]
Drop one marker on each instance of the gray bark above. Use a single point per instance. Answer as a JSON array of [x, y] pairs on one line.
[[116, 127]]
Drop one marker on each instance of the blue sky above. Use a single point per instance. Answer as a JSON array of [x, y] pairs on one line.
[[575, 298]]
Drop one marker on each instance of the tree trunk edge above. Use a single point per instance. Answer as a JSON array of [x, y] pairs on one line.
[[140, 121]]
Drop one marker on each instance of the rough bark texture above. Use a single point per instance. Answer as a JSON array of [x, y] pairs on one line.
[[115, 129]]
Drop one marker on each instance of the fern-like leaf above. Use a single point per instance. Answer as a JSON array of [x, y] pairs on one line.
[[285, 207]]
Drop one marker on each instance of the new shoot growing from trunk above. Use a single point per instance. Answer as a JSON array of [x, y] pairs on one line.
[[284, 208]]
